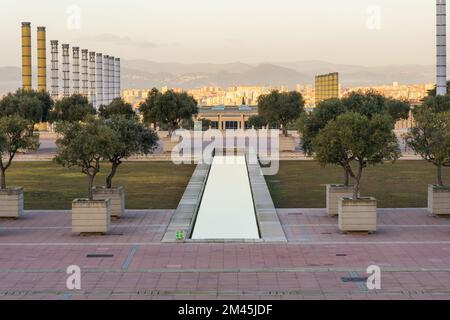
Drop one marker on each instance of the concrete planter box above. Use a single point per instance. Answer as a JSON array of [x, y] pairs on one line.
[[11, 203], [117, 197], [439, 200], [91, 216], [287, 144], [334, 192], [168, 144], [358, 215]]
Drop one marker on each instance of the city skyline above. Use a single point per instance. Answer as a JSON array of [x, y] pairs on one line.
[[191, 33]]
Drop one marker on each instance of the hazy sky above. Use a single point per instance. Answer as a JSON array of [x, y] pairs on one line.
[[368, 32]]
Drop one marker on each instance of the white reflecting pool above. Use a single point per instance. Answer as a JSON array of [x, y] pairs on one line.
[[227, 210]]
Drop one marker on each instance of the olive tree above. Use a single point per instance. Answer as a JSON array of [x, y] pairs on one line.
[[73, 108], [83, 145], [168, 109], [31, 105], [430, 137], [356, 141], [117, 107], [281, 108], [14, 136], [130, 138], [371, 102], [256, 122]]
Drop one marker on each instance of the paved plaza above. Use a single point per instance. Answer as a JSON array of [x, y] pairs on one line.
[[318, 262]]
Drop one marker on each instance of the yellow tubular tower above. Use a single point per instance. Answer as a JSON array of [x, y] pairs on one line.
[[41, 59], [26, 56]]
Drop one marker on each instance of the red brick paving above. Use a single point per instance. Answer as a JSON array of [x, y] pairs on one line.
[[412, 249]]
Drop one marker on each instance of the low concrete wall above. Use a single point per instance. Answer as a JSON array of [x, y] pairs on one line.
[[439, 200], [117, 197], [11, 203], [91, 216], [358, 215], [334, 192]]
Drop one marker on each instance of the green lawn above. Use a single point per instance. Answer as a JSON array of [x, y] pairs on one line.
[[404, 184], [160, 185], [147, 184]]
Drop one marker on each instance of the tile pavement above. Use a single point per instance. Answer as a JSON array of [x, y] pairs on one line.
[[412, 249]]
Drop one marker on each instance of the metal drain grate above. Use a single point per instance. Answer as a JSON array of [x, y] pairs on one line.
[[94, 255], [341, 255]]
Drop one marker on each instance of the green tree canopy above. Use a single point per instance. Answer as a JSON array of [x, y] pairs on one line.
[[257, 122], [309, 124], [31, 105], [131, 138], [83, 145], [430, 137], [281, 108], [355, 138], [169, 108], [73, 108], [14, 136], [371, 102], [437, 104], [115, 108]]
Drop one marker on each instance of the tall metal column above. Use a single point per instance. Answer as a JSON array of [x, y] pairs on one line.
[[42, 59], [92, 97], [441, 47], [66, 76], [55, 69], [106, 80], [99, 76], [111, 79], [117, 78], [84, 73], [26, 56], [76, 69]]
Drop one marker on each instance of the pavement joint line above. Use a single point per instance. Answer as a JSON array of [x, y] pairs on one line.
[[69, 227], [217, 293], [163, 226], [290, 243], [130, 257], [379, 225], [237, 270]]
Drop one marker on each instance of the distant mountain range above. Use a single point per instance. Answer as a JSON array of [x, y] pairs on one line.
[[147, 74]]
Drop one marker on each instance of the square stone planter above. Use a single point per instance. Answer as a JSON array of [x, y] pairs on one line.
[[358, 215], [439, 200], [169, 145], [91, 216], [117, 197], [334, 192], [11, 203], [287, 144]]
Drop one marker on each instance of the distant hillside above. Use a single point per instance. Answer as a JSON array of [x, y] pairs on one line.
[[146, 74]]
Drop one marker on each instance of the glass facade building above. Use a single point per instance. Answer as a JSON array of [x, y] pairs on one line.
[[326, 87]]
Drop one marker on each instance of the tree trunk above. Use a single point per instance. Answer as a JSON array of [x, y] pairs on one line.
[[3, 178], [358, 182], [284, 130], [439, 175], [346, 177], [90, 186], [111, 175]]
